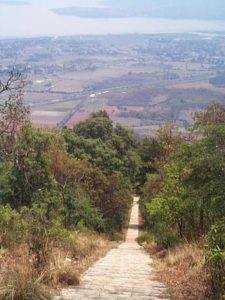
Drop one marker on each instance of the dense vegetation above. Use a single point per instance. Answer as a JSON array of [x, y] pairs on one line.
[[54, 184], [183, 199], [60, 187]]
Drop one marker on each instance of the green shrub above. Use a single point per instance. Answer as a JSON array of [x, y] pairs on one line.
[[79, 211], [11, 227], [215, 259], [41, 232], [145, 237], [165, 236]]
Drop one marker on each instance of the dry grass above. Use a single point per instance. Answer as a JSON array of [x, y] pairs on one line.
[[67, 263], [88, 247], [190, 254], [181, 269], [23, 285], [20, 281], [18, 278], [68, 277]]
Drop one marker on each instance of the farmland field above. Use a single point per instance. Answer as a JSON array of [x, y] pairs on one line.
[[142, 81]]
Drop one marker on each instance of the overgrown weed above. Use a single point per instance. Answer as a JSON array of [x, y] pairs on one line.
[[181, 269]]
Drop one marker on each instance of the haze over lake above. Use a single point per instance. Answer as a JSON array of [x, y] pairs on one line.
[[36, 18]]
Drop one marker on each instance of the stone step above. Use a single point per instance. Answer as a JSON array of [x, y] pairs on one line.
[[124, 273]]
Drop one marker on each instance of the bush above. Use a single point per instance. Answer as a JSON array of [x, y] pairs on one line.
[[83, 244], [11, 227], [68, 277], [215, 259], [42, 231], [80, 211], [145, 237], [165, 236]]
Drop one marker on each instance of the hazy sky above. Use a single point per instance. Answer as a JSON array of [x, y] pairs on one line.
[[33, 17], [19, 18]]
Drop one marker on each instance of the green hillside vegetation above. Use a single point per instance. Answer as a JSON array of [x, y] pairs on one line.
[[65, 194], [183, 199]]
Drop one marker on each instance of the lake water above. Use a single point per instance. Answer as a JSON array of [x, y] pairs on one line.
[[38, 20]]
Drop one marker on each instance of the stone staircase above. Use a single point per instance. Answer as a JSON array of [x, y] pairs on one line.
[[124, 273]]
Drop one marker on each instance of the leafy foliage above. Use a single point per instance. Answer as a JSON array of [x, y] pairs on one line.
[[54, 183], [215, 259], [59, 181], [80, 211], [11, 227], [98, 126], [184, 197], [110, 149]]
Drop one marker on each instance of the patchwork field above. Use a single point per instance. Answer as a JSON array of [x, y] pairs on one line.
[[142, 81], [49, 119]]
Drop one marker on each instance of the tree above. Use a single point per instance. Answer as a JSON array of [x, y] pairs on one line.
[[215, 259], [127, 136], [85, 191], [214, 114], [98, 126], [13, 113], [31, 172], [150, 151], [188, 196], [79, 210], [169, 140], [168, 206]]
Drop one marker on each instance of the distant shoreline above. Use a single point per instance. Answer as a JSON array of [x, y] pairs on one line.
[[115, 13], [102, 17], [52, 36]]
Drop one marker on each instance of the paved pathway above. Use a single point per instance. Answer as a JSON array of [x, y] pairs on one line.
[[124, 273]]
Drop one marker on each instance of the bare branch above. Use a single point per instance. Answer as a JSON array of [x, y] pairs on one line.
[[13, 113], [14, 82]]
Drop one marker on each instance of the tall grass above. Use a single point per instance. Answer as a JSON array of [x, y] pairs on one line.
[[182, 269], [19, 285], [20, 280], [189, 254]]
